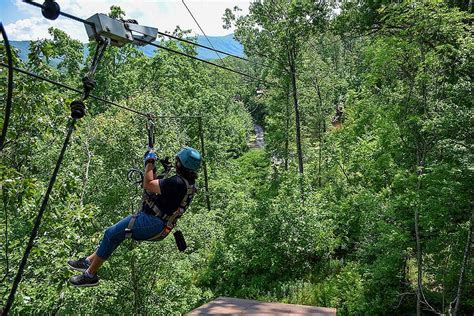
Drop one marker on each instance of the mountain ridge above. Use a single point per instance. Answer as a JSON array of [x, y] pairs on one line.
[[226, 43]]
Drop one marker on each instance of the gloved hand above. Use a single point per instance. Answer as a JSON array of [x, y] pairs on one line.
[[165, 162], [150, 156]]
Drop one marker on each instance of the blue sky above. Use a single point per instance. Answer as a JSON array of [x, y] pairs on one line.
[[25, 22]]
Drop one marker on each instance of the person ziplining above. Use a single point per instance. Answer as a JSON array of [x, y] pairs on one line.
[[165, 199]]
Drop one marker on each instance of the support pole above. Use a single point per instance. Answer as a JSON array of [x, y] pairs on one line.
[[206, 184]]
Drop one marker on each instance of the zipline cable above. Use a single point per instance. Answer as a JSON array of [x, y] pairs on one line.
[[161, 33], [202, 46], [153, 44], [62, 85], [34, 231], [213, 48], [4, 133], [203, 60], [8, 107], [31, 74]]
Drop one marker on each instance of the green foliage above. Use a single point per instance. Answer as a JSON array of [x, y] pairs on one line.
[[401, 72]]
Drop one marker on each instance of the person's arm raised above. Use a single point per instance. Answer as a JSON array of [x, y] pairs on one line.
[[149, 182]]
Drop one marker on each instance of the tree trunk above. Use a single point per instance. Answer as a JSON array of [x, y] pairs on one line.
[[135, 281], [465, 260], [86, 170], [419, 264], [419, 256], [287, 138], [204, 165], [297, 111], [292, 64], [321, 130]]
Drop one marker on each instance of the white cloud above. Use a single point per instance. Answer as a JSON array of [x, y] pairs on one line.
[[37, 28], [164, 14]]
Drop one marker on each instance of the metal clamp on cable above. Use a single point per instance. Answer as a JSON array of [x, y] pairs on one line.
[[78, 108], [120, 32], [150, 127]]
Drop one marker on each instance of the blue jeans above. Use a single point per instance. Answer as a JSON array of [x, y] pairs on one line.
[[146, 226]]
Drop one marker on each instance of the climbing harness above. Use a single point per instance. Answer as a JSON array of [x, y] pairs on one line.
[[151, 208], [148, 203]]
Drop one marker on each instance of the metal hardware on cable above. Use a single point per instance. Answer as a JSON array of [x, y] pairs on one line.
[[78, 108], [101, 26], [119, 32], [150, 126], [51, 9]]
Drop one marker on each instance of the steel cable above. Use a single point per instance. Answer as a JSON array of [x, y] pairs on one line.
[[154, 44], [8, 107]]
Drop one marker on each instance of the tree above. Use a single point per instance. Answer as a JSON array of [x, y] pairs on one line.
[[275, 32]]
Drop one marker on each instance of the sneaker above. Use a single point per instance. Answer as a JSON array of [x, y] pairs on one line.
[[79, 265], [83, 280]]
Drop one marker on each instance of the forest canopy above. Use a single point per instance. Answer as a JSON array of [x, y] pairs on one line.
[[360, 198]]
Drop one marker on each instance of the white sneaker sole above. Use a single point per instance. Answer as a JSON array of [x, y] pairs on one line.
[[75, 269], [85, 285]]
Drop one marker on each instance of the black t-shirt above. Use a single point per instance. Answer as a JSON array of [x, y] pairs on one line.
[[173, 190]]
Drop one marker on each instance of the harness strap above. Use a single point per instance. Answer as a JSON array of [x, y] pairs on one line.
[[129, 229], [169, 219]]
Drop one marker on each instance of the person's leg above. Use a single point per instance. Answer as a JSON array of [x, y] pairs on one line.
[[146, 226], [96, 263], [92, 256], [113, 236]]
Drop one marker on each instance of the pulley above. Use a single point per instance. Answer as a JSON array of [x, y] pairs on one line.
[[78, 109], [50, 9]]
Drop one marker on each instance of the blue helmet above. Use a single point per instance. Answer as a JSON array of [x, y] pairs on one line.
[[190, 158]]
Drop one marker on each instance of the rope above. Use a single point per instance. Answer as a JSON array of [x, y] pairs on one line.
[[34, 231], [9, 88]]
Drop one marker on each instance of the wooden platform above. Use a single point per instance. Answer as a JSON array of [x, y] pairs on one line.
[[235, 306]]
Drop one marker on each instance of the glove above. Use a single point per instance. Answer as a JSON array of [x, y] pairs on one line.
[[150, 156], [165, 162]]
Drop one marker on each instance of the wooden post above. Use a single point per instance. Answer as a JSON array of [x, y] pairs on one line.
[[206, 184]]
